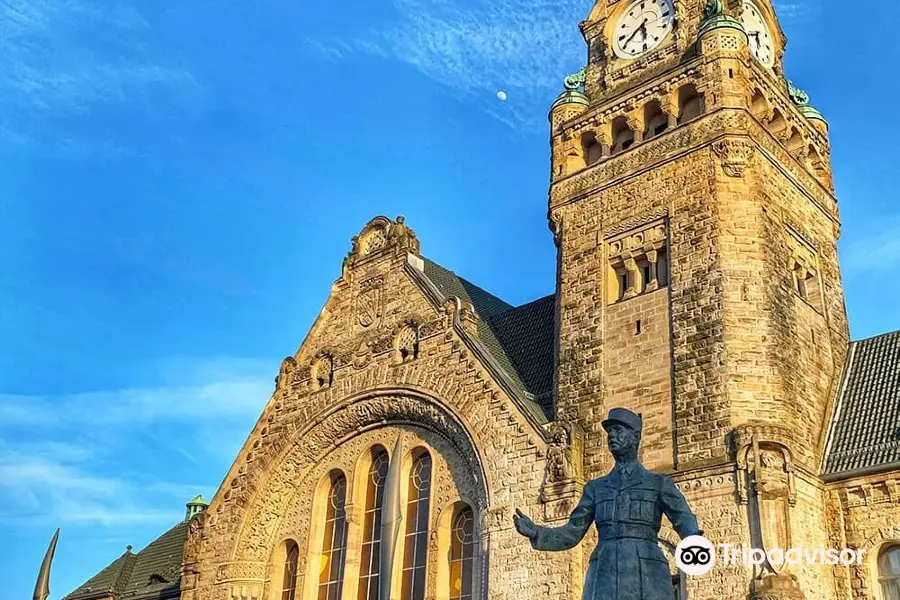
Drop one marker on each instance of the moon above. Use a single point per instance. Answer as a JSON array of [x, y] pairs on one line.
[[502, 96]]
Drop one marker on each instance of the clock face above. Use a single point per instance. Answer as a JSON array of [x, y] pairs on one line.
[[642, 27], [761, 44]]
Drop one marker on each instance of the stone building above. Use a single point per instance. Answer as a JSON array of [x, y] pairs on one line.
[[693, 209]]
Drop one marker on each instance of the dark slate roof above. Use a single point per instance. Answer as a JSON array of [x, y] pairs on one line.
[[527, 334], [153, 573], [519, 339], [865, 432]]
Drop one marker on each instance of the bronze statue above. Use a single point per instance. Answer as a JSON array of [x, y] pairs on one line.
[[627, 506]]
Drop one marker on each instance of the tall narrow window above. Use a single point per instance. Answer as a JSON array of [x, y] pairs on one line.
[[289, 584], [889, 572], [416, 537], [371, 547], [462, 553], [334, 544]]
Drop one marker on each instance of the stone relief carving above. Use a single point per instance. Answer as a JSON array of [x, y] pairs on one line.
[[559, 457], [735, 155], [369, 301], [406, 344], [378, 236], [194, 543], [766, 485], [330, 429], [286, 376], [323, 372]]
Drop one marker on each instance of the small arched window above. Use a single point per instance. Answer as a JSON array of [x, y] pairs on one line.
[[462, 554], [289, 579], [889, 572], [371, 547], [655, 120], [690, 103], [334, 543], [415, 542], [622, 135]]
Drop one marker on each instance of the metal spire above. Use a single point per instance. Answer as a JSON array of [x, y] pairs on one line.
[[42, 587]]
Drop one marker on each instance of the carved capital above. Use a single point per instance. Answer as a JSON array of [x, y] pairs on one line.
[[735, 155]]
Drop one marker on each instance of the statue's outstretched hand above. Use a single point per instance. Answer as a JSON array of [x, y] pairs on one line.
[[524, 525]]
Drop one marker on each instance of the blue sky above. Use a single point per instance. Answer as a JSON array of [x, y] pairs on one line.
[[181, 181]]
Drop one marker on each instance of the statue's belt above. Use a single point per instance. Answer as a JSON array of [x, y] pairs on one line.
[[627, 531]]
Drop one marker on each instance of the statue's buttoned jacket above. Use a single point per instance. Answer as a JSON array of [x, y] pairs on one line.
[[628, 563]]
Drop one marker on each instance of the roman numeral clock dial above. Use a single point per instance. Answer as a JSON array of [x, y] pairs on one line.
[[642, 27]]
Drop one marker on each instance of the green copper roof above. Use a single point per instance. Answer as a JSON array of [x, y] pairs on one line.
[[810, 112], [801, 100], [199, 500], [571, 97], [715, 18], [573, 92]]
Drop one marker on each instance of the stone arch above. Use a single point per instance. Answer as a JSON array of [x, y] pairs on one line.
[[300, 517], [873, 545], [329, 429]]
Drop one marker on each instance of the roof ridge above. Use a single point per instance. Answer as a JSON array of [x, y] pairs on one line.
[[468, 282], [878, 336], [525, 305]]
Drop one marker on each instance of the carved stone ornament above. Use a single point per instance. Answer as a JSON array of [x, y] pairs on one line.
[[559, 458], [735, 156], [317, 435], [406, 344], [323, 372], [495, 518], [402, 238], [363, 355], [776, 587], [194, 543], [286, 375], [381, 235], [369, 301], [766, 485]]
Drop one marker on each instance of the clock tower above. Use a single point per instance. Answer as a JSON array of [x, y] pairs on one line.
[[692, 205]]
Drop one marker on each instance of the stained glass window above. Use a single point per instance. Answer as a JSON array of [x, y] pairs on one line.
[[889, 572], [371, 547], [416, 537], [334, 544], [462, 552], [289, 584]]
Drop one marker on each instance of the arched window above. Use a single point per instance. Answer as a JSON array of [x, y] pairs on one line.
[[334, 544], [462, 554], [415, 546], [889, 572], [289, 581], [622, 135], [371, 546], [690, 103]]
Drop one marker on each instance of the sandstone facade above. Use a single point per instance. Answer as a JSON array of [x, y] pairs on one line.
[[694, 213]]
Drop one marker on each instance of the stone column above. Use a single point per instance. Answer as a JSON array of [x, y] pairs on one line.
[[653, 259]]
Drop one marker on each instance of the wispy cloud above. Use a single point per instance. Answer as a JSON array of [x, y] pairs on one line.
[[878, 250], [68, 57], [125, 457], [477, 47]]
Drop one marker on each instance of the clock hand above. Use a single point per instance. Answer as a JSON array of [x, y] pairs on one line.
[[635, 32]]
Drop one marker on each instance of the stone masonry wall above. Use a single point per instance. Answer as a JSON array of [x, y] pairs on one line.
[[869, 510]]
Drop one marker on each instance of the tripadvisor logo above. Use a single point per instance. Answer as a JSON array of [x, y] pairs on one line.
[[696, 555]]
